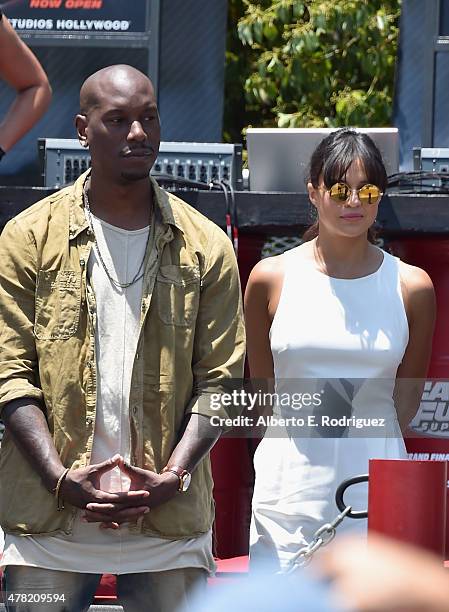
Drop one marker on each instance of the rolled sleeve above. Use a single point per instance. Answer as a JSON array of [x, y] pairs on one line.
[[219, 344], [18, 358]]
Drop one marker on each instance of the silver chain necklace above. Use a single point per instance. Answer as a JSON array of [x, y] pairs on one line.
[[139, 274]]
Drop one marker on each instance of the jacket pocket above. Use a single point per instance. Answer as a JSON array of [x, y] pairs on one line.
[[178, 294], [58, 300]]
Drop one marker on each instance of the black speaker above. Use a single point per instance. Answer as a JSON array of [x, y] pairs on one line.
[[421, 106]]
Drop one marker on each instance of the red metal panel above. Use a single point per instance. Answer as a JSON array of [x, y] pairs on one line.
[[432, 254], [232, 458], [407, 501]]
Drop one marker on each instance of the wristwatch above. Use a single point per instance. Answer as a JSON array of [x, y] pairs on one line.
[[183, 475]]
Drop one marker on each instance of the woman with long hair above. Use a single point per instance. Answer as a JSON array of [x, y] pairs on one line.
[[349, 324]]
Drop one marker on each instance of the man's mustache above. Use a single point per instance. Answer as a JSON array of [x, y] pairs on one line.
[[142, 150]]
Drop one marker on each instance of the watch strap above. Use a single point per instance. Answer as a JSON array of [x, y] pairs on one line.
[[178, 470]]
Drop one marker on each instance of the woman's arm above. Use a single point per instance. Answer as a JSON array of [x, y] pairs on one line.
[[261, 297], [420, 306], [22, 71], [259, 314]]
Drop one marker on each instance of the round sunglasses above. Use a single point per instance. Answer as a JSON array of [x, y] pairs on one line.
[[341, 192]]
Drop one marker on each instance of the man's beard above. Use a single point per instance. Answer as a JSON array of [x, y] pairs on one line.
[[135, 176]]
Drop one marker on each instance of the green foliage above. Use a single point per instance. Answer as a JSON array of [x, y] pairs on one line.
[[311, 63]]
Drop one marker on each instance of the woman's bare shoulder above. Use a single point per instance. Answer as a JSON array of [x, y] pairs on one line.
[[265, 280], [271, 269], [414, 278], [418, 293], [267, 271]]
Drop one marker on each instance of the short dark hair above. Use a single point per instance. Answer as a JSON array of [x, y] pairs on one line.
[[332, 158], [337, 151]]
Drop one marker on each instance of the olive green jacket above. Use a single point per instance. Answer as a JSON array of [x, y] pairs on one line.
[[191, 338]]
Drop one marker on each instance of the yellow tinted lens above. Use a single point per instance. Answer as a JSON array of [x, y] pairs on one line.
[[369, 194], [339, 192]]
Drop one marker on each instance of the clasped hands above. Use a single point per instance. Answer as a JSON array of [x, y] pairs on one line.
[[81, 488]]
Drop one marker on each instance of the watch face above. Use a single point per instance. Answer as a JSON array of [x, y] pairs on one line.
[[185, 481]]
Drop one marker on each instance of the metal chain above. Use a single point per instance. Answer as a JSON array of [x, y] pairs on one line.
[[322, 537], [116, 282]]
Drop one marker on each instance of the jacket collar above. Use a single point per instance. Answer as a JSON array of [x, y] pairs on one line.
[[77, 218]]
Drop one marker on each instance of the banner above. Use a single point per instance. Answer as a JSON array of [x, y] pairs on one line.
[[77, 16], [432, 418]]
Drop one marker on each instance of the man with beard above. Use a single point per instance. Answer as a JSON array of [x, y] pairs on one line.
[[120, 314]]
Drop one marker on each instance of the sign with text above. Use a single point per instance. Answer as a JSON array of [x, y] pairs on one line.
[[432, 418], [77, 16]]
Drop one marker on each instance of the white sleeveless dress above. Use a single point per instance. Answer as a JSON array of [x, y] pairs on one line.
[[345, 337]]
